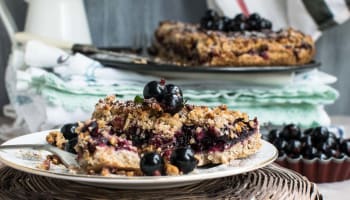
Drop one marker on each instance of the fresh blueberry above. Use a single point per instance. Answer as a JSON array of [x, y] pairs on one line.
[[322, 147], [309, 152], [265, 24], [280, 144], [172, 89], [281, 153], [291, 131], [220, 25], [207, 24], [68, 130], [153, 89], [69, 146], [320, 134], [306, 140], [152, 164], [243, 26], [345, 147], [240, 18], [253, 25], [294, 147], [331, 142], [308, 131], [331, 153], [255, 16], [172, 103], [321, 156], [233, 26], [226, 22], [341, 155], [211, 14], [184, 159], [273, 134]]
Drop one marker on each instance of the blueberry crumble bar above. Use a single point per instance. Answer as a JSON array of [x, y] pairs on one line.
[[221, 41], [159, 135]]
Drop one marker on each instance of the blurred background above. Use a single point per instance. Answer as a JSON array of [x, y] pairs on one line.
[[132, 22]]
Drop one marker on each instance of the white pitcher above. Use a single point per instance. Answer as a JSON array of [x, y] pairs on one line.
[[58, 19]]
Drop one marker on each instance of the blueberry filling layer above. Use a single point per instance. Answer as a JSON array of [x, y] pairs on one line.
[[101, 141], [140, 137], [199, 138], [209, 139]]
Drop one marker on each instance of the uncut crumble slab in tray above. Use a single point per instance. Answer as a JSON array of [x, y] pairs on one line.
[[188, 44], [119, 132]]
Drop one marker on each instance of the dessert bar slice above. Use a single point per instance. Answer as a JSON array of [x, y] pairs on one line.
[[157, 135], [121, 131]]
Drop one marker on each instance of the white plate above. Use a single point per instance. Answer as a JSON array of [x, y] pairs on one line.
[[28, 160]]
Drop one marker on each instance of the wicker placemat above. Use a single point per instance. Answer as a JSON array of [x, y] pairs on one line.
[[271, 182]]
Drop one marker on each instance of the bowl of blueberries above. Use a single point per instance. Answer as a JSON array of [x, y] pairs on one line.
[[319, 153]]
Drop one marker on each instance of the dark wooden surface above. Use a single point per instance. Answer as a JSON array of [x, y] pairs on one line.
[[131, 23]]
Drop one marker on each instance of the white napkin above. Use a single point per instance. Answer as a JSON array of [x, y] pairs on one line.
[[38, 54]]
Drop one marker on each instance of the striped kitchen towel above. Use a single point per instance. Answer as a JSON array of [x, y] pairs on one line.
[[309, 16]]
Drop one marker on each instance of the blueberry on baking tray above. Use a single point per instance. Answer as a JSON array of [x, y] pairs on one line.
[[226, 22], [265, 24], [254, 17], [211, 15], [209, 20], [240, 17], [152, 164], [184, 159], [316, 142], [233, 25], [220, 24], [254, 22]]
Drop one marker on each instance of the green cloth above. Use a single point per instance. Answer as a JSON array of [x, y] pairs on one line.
[[298, 104], [292, 94]]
